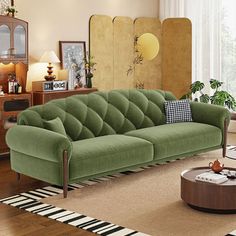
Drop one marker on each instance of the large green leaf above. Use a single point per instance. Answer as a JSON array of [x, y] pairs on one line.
[[215, 84], [218, 98], [197, 86], [223, 98], [204, 98]]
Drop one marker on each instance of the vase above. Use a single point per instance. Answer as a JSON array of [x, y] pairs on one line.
[[89, 80]]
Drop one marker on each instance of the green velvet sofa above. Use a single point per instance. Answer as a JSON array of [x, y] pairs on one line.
[[86, 136]]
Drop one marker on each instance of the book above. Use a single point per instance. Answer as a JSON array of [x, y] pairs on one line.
[[211, 177]]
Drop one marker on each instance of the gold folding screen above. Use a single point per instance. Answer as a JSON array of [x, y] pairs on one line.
[[118, 47], [176, 55], [123, 51], [112, 45], [101, 47], [149, 72]]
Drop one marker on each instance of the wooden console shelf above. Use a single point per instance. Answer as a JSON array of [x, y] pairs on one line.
[[43, 97]]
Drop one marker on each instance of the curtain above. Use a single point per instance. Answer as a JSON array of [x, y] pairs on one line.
[[228, 45], [171, 8], [205, 16]]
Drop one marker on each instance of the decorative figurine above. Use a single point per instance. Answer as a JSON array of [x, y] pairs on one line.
[[216, 166]]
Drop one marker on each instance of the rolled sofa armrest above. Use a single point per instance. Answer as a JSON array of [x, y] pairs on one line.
[[210, 114], [38, 142]]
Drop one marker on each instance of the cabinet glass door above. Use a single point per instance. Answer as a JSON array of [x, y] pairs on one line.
[[5, 41], [19, 42]]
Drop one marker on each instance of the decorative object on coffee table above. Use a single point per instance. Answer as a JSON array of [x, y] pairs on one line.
[[216, 166], [211, 177], [217, 198]]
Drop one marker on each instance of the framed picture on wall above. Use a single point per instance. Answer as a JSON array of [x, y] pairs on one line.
[[72, 56]]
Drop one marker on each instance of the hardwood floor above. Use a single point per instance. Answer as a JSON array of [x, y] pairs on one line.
[[16, 222]]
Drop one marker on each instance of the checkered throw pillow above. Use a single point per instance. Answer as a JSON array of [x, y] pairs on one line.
[[178, 111]]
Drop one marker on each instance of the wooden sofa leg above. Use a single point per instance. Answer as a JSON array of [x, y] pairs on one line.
[[65, 173], [225, 137], [18, 176]]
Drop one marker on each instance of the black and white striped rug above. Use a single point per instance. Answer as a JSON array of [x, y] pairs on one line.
[[233, 233], [231, 152], [30, 201]]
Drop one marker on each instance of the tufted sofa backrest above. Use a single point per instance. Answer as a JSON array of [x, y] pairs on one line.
[[102, 113]]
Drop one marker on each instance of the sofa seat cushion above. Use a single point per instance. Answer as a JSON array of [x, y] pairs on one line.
[[179, 138], [107, 153]]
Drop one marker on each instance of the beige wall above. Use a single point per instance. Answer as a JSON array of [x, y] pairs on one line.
[[54, 20]]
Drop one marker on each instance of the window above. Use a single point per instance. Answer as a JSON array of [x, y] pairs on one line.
[[228, 45]]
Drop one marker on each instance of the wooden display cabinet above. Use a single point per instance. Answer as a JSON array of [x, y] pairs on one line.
[[13, 60], [10, 106], [13, 50]]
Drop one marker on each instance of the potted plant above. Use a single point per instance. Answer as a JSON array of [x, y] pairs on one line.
[[219, 97], [11, 11]]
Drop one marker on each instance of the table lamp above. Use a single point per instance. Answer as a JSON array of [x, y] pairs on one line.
[[49, 57]]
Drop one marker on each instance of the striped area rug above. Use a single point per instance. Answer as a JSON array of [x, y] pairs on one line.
[[233, 233], [30, 201], [231, 152]]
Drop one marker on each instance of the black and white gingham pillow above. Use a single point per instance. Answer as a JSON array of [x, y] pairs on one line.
[[178, 111]]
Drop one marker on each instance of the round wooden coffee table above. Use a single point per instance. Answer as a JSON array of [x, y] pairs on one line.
[[217, 198]]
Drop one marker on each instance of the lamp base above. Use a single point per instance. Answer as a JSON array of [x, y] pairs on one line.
[[49, 77]]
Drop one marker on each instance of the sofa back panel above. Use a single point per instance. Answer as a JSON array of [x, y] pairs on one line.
[[102, 113], [51, 111], [31, 117]]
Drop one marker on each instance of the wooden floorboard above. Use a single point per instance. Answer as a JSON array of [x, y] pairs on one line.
[[16, 222]]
